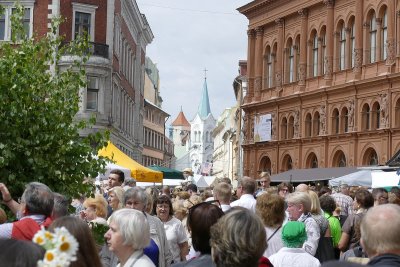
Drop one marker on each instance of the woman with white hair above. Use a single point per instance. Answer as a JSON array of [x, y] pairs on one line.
[[128, 235], [299, 209]]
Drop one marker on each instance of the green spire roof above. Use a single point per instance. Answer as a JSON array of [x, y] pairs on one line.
[[204, 107]]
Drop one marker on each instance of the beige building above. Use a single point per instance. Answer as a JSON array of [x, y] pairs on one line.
[[224, 135], [157, 149], [328, 74]]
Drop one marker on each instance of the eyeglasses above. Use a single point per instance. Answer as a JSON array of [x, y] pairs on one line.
[[211, 202]]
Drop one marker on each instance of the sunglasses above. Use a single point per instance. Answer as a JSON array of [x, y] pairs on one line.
[[191, 209]]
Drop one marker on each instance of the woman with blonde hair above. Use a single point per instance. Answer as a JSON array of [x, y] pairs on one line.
[[271, 209], [115, 197], [95, 210]]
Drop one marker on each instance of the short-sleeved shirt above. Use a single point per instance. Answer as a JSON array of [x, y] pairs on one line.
[[350, 226], [175, 235], [345, 202]]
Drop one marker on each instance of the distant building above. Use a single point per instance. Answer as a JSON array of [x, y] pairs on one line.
[[326, 74], [118, 35], [157, 149], [224, 135], [193, 141]]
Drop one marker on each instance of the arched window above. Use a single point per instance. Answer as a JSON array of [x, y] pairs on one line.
[[370, 157], [365, 113], [312, 161], [287, 163], [290, 53], [352, 41], [397, 113], [376, 114], [344, 118], [297, 58], [316, 124], [268, 76], [342, 47], [265, 165], [284, 128], [291, 127], [339, 160], [372, 38], [308, 125], [384, 35], [335, 121], [315, 55], [323, 52]]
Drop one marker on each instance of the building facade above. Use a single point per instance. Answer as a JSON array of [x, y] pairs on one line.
[[118, 35], [224, 135], [327, 72], [157, 149]]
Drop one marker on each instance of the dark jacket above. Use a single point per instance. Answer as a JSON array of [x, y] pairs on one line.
[[385, 260]]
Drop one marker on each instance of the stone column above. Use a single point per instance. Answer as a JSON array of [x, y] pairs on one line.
[[328, 60], [258, 63], [303, 49], [279, 57], [391, 38], [358, 46], [250, 67]]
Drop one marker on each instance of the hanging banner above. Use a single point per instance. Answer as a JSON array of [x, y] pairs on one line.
[[262, 128]]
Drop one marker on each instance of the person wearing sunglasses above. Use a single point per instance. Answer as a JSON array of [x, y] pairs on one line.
[[200, 219], [176, 235]]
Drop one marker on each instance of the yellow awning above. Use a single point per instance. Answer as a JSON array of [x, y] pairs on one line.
[[139, 172]]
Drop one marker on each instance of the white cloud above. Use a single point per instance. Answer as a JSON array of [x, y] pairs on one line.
[[188, 37]]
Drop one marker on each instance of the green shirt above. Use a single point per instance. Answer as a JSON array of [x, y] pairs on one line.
[[336, 229]]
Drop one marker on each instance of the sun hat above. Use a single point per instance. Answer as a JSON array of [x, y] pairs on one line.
[[188, 170], [294, 234]]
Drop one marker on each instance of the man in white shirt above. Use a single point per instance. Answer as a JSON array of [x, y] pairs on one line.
[[223, 192], [245, 191]]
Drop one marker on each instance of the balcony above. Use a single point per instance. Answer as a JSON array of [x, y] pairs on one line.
[[96, 49]]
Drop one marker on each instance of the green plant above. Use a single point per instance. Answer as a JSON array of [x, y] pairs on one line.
[[39, 135]]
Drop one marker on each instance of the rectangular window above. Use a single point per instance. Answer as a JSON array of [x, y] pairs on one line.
[[2, 26], [92, 94], [291, 64], [342, 49], [315, 56], [82, 23]]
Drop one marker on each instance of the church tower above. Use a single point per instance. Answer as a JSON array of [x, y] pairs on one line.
[[180, 135], [202, 142]]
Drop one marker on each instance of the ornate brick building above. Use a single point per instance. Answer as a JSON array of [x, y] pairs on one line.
[[327, 72], [119, 34]]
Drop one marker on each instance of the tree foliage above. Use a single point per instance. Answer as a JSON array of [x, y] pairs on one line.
[[39, 137]]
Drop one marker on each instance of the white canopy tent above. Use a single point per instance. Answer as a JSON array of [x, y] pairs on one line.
[[203, 181], [369, 178]]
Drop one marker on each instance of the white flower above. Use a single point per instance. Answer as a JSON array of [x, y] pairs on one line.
[[61, 247]]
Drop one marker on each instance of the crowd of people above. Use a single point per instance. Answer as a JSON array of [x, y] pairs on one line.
[[253, 224]]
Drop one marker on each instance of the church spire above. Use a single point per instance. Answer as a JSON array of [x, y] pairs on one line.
[[204, 107]]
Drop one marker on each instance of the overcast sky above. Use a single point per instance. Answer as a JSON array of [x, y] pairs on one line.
[[190, 35]]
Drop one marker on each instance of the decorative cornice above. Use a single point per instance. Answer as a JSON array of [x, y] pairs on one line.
[[259, 30], [279, 22], [329, 3], [303, 13], [251, 33]]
